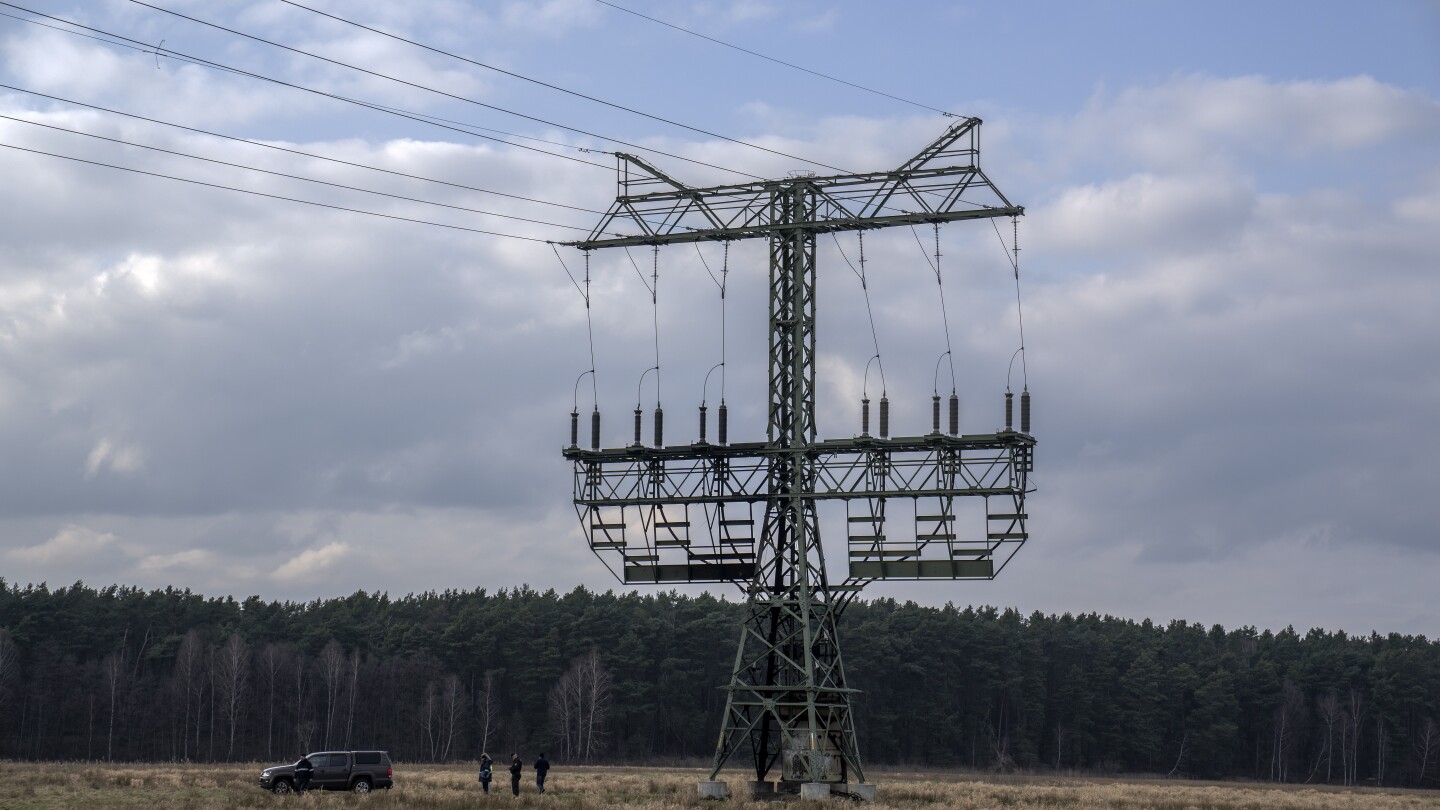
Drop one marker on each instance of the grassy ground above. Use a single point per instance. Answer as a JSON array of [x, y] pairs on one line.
[[57, 786]]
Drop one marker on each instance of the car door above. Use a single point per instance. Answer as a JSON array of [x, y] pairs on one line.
[[331, 770]]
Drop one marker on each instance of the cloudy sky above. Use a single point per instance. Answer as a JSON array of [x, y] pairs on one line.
[[1229, 272]]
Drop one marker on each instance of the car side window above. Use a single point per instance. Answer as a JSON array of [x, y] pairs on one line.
[[367, 758], [323, 760]]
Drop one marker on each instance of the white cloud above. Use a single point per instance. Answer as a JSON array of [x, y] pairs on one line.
[[1149, 212], [119, 459], [551, 18], [1196, 119], [182, 563], [71, 544], [313, 562]]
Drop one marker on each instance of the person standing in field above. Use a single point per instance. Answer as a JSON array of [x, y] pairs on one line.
[[303, 771], [485, 772], [542, 767], [515, 767]]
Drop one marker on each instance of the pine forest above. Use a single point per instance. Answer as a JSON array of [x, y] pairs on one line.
[[169, 675]]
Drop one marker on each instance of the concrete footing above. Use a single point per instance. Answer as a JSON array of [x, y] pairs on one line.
[[815, 790], [713, 790], [811, 791]]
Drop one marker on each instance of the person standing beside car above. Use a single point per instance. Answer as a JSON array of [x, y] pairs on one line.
[[515, 767], [542, 767], [303, 771]]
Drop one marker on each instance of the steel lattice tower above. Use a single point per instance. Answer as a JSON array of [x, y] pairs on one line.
[[788, 701]]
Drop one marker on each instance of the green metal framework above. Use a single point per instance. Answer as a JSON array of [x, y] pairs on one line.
[[687, 513]]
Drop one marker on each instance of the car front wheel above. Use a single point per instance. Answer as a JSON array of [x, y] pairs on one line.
[[362, 786], [282, 787]]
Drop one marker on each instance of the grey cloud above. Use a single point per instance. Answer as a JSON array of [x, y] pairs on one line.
[[1234, 376]]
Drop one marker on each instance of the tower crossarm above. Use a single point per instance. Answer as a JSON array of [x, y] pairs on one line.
[[922, 466], [687, 513], [942, 183]]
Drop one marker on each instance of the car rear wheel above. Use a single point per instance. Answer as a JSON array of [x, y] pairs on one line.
[[362, 786], [281, 787]]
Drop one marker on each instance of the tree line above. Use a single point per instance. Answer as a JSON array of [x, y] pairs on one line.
[[126, 674]]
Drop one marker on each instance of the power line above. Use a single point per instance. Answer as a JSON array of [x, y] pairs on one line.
[[577, 130], [201, 62], [769, 59], [300, 152], [523, 77], [428, 117], [292, 176], [275, 196]]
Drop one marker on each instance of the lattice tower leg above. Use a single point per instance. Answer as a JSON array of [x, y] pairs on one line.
[[787, 697]]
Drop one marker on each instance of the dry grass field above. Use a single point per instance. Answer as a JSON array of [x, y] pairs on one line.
[[213, 787]]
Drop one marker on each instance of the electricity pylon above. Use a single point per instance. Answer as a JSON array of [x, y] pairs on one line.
[[788, 700]]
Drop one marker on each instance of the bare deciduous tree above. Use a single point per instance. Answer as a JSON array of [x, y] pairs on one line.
[[1427, 746], [272, 663], [354, 688], [113, 670], [187, 667], [1352, 720], [1180, 756], [429, 720], [452, 714], [304, 728], [1328, 709], [1292, 703], [580, 707], [332, 675], [232, 676], [1382, 749], [487, 710]]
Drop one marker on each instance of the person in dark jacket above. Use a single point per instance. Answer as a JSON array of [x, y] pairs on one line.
[[303, 771], [485, 771], [515, 766], [542, 767]]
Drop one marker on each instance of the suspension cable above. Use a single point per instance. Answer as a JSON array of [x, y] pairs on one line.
[[655, 313], [944, 313], [589, 328], [874, 337], [1013, 255], [722, 282], [651, 285]]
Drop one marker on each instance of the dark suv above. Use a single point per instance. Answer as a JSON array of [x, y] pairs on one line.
[[360, 771]]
